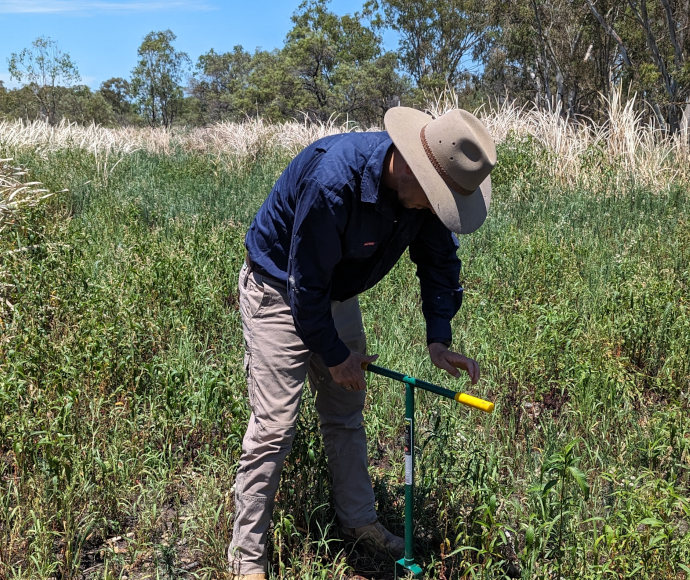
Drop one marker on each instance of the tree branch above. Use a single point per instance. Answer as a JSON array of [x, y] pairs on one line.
[[677, 48], [611, 32]]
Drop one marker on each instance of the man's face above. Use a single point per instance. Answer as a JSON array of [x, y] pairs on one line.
[[411, 195]]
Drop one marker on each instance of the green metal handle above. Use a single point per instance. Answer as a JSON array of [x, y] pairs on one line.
[[464, 398]]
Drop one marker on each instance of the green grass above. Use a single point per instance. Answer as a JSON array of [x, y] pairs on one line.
[[122, 396]]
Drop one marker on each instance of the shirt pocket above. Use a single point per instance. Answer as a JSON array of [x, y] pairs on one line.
[[361, 247], [366, 235]]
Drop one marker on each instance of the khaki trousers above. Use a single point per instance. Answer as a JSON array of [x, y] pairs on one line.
[[277, 363]]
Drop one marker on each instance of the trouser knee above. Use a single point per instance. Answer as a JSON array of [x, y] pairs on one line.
[[264, 449]]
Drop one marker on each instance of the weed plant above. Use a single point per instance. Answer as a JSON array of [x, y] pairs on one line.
[[122, 394]]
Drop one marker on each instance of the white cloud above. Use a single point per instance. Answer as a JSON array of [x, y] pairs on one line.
[[91, 6]]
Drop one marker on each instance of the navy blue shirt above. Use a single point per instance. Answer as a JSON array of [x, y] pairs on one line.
[[330, 229]]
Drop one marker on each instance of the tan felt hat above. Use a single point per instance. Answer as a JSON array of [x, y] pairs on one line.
[[452, 157]]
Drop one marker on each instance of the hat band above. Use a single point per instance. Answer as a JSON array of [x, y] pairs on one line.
[[450, 182]]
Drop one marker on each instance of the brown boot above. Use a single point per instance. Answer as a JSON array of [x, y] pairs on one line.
[[377, 539]]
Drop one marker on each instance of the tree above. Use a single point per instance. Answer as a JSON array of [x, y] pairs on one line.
[[20, 104], [365, 81], [436, 37], [560, 52], [273, 92], [653, 42], [339, 64], [311, 48], [220, 82], [116, 92], [44, 68], [3, 99], [543, 51], [83, 106], [157, 78]]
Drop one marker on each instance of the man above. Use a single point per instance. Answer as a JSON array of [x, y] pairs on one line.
[[337, 220]]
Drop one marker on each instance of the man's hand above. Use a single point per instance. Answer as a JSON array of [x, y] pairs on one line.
[[451, 361], [349, 374]]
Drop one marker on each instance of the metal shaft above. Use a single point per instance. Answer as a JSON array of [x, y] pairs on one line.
[[409, 475]]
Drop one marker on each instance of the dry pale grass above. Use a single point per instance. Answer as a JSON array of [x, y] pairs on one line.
[[626, 146], [245, 139], [249, 140], [41, 136], [236, 143], [578, 150]]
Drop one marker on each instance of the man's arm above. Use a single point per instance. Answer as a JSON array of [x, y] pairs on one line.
[[315, 249], [314, 253], [434, 251], [438, 269]]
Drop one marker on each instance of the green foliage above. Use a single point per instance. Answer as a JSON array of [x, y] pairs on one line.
[[219, 83], [157, 79], [129, 389], [521, 163], [122, 392], [274, 92], [20, 103], [340, 65], [542, 52], [77, 104], [82, 106], [557, 55], [329, 65], [117, 94], [437, 38], [45, 69]]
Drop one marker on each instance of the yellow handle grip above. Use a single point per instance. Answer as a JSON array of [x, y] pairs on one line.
[[476, 402]]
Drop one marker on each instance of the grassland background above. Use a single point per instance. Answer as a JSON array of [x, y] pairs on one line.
[[122, 395]]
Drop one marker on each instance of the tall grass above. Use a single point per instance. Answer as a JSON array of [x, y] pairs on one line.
[[581, 152], [122, 396], [238, 139]]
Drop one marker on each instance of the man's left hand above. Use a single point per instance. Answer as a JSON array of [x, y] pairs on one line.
[[450, 361]]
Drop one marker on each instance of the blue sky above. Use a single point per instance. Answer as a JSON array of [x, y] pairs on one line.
[[102, 36]]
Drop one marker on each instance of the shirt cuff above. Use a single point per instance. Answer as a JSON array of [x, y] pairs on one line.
[[445, 341], [438, 330], [336, 355]]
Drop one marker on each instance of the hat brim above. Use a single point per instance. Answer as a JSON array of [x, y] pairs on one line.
[[460, 212]]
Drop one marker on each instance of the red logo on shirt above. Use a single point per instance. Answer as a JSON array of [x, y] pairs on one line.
[[369, 244]]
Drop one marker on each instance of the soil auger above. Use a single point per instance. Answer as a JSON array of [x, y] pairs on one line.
[[407, 564]]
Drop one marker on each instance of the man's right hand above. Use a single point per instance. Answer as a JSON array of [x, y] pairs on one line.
[[349, 373]]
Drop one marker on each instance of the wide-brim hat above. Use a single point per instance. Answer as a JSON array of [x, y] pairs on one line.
[[452, 157]]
